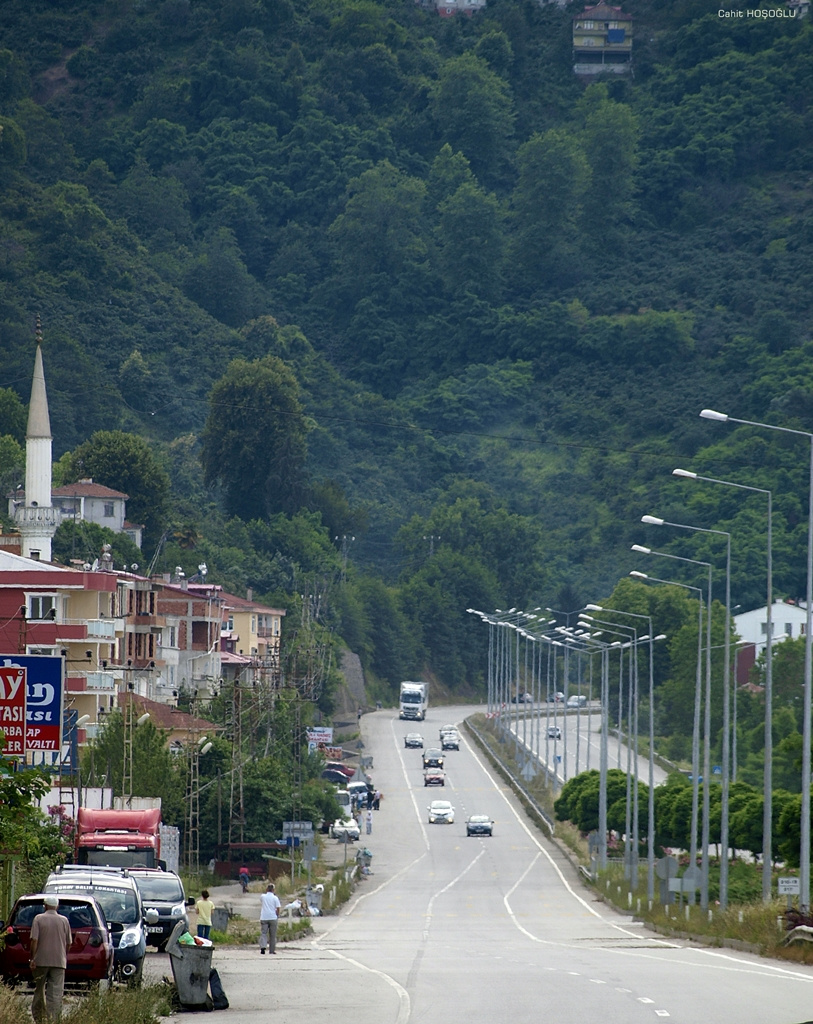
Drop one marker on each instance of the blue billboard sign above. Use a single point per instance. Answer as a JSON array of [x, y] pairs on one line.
[[45, 686]]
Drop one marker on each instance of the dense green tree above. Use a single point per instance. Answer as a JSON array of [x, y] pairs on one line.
[[254, 441], [12, 415], [125, 463], [470, 242]]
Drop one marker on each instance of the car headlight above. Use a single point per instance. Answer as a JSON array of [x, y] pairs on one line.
[[178, 911], [129, 938]]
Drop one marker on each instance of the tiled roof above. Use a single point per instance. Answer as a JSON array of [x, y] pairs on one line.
[[165, 716], [87, 489]]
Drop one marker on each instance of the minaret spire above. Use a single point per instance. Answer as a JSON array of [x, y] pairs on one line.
[[37, 520]]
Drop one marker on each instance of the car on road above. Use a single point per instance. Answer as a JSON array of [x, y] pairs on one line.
[[434, 777], [433, 758], [479, 825], [346, 829], [450, 740], [554, 732], [522, 698], [577, 700], [164, 892], [446, 728], [120, 899], [90, 958], [413, 739], [441, 812]]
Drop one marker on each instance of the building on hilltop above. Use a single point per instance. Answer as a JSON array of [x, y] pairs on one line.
[[448, 8], [602, 41], [91, 502]]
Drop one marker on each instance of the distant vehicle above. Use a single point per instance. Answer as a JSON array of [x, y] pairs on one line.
[[557, 698], [554, 732], [120, 899], [413, 701], [434, 777], [446, 728], [413, 739], [522, 698], [450, 741], [433, 758], [331, 775], [360, 789], [340, 766], [479, 825], [346, 829], [441, 812], [90, 958], [162, 891], [577, 700]]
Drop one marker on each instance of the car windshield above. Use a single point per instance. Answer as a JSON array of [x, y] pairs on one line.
[[118, 903], [160, 887], [479, 819], [440, 806]]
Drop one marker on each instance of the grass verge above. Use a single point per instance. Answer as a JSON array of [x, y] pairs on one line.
[[114, 1006]]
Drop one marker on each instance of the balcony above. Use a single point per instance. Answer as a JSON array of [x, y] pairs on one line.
[[100, 681]]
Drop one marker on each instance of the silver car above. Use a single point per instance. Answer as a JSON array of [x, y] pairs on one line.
[[441, 812]]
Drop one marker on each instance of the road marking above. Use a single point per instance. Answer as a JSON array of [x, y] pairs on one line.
[[404, 1007]]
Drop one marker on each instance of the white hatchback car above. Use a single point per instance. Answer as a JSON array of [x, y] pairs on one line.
[[441, 812]]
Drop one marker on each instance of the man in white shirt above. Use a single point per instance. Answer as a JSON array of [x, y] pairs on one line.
[[269, 916]]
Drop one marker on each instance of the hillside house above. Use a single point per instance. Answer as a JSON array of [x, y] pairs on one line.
[[602, 41]]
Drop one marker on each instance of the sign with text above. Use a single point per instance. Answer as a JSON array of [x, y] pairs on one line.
[[297, 829], [12, 709], [788, 886], [319, 736], [44, 692]]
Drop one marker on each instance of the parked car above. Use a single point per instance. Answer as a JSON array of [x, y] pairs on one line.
[[359, 789], [450, 741], [434, 777], [119, 897], [554, 732], [441, 812], [346, 829], [164, 892], [522, 698], [577, 700], [340, 766], [413, 739], [433, 758], [479, 825], [90, 958], [556, 698], [331, 775]]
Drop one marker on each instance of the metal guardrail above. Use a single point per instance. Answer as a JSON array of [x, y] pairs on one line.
[[516, 784]]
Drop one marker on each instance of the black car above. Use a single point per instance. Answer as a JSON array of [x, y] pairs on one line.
[[479, 825], [162, 891], [336, 777], [433, 758]]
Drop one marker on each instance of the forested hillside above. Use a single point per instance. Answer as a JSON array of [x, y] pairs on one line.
[[483, 301]]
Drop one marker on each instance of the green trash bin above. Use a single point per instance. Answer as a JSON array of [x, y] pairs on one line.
[[190, 969]]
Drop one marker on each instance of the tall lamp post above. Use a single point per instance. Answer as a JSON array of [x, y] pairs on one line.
[[698, 694], [804, 854], [767, 777], [655, 521]]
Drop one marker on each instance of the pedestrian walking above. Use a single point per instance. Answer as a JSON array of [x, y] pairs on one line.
[[376, 799], [368, 820], [370, 799], [269, 918], [50, 941], [204, 907]]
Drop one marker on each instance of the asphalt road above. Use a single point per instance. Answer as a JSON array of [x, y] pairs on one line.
[[449, 929]]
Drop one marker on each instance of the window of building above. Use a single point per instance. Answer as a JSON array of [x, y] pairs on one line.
[[109, 510], [788, 629], [170, 637], [253, 623], [42, 606]]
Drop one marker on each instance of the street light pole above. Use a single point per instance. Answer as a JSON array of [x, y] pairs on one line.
[[767, 775], [655, 521], [804, 853]]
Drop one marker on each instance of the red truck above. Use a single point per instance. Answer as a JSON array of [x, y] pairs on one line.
[[122, 839]]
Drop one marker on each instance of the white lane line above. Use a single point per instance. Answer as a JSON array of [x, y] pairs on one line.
[[404, 1008], [430, 908], [544, 853]]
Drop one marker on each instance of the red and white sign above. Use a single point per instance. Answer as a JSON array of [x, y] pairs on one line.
[[12, 709]]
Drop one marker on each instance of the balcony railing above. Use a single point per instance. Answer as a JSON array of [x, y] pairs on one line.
[[97, 629], [100, 680]]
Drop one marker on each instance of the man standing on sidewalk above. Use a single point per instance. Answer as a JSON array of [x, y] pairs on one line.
[[50, 941], [269, 917]]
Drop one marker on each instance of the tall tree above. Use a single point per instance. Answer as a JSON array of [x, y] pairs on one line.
[[254, 442]]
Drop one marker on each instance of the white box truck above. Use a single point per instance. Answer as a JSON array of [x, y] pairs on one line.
[[413, 701]]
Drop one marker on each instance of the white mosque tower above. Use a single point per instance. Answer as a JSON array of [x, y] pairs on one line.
[[37, 520]]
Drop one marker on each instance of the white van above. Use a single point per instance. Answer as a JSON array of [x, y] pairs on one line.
[[343, 798]]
